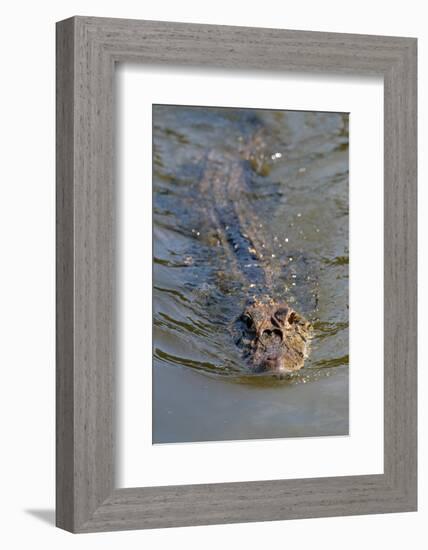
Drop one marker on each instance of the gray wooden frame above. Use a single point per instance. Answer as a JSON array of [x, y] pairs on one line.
[[87, 50]]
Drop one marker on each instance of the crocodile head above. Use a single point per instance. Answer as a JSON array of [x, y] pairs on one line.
[[273, 337]]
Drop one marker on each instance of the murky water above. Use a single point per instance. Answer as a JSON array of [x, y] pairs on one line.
[[201, 388]]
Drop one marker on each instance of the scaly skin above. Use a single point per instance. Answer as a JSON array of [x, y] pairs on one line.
[[272, 336]]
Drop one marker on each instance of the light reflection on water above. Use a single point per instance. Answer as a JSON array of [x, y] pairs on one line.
[[304, 204]]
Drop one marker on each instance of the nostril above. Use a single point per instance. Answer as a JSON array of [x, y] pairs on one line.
[[272, 335]]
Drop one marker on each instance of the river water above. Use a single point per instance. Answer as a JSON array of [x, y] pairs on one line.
[[201, 388]]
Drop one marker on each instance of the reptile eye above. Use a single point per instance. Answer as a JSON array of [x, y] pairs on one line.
[[248, 321], [281, 314], [294, 318]]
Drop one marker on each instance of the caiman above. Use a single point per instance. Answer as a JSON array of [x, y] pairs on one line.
[[273, 336]]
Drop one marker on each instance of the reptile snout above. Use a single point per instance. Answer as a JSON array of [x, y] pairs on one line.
[[273, 337]]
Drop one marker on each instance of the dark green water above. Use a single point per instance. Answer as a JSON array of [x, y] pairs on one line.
[[201, 389]]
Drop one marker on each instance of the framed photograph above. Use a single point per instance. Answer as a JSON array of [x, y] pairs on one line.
[[236, 274]]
